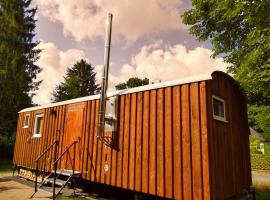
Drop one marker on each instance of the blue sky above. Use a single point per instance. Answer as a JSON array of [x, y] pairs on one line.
[[148, 40]]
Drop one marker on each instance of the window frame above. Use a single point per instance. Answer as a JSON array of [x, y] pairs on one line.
[[35, 135], [26, 115], [216, 117]]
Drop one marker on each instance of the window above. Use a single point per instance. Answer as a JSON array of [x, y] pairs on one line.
[[38, 125], [218, 108], [26, 121]]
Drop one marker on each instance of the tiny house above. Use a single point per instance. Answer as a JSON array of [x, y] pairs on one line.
[[183, 139]]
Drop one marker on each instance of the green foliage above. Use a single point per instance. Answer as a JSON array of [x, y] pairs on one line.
[[80, 81], [240, 32], [260, 116], [18, 54], [132, 82]]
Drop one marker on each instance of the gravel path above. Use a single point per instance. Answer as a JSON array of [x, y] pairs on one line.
[[261, 180]]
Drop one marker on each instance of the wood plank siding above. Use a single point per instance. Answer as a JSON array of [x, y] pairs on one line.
[[229, 153], [168, 144]]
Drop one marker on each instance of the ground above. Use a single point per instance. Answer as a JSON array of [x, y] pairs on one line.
[[20, 189], [10, 189]]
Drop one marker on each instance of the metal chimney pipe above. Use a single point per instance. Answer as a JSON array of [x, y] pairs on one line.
[[104, 86]]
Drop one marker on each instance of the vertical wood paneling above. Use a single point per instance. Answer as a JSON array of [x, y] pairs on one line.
[[160, 143], [204, 137], [196, 141], [93, 169], [168, 144], [126, 142], [228, 165], [153, 143], [177, 156], [86, 139], [103, 156], [210, 135], [138, 163], [91, 142], [114, 157], [121, 135], [99, 158], [108, 161], [62, 128], [132, 141], [54, 132], [16, 159], [19, 135], [145, 142], [186, 143]]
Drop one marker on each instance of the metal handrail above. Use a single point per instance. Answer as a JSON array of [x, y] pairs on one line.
[[56, 161], [56, 142], [46, 150], [65, 152]]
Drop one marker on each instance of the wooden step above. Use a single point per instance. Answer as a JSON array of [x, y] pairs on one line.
[[66, 172], [58, 182]]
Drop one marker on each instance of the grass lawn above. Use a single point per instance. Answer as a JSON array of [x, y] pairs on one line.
[[262, 195], [5, 165]]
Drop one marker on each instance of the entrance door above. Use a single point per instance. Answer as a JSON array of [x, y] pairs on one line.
[[73, 132]]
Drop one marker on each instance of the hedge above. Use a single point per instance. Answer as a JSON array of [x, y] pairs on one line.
[[260, 161]]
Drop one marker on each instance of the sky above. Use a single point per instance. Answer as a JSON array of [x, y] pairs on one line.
[[148, 40]]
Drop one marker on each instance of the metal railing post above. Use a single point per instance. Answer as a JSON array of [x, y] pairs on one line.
[[54, 179], [36, 176], [44, 165]]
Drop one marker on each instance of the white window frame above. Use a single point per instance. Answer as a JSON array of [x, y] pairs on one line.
[[24, 125], [37, 135], [216, 117]]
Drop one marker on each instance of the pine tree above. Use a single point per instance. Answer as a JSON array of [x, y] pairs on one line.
[[80, 81], [18, 54]]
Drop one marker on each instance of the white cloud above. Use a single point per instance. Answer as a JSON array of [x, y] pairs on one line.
[[54, 64], [160, 62], [85, 19]]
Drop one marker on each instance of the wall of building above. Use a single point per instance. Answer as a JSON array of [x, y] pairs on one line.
[[228, 141], [162, 144]]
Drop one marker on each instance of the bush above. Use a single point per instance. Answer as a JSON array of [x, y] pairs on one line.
[[6, 146]]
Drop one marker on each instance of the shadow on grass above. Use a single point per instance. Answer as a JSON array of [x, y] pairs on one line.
[[262, 195]]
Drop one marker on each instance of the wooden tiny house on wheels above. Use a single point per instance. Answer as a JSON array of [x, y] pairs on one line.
[[184, 139]]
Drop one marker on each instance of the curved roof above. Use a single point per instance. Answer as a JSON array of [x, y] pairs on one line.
[[191, 79]]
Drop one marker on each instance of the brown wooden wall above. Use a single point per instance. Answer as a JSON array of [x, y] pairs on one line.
[[27, 149], [228, 141], [163, 146]]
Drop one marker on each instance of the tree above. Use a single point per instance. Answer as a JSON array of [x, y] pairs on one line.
[[18, 54], [80, 81], [260, 117], [240, 33], [131, 83]]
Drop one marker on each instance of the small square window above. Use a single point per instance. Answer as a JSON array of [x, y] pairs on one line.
[[218, 108], [26, 121], [38, 125]]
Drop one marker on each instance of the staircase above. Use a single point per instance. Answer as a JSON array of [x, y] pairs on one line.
[[62, 178], [58, 178]]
